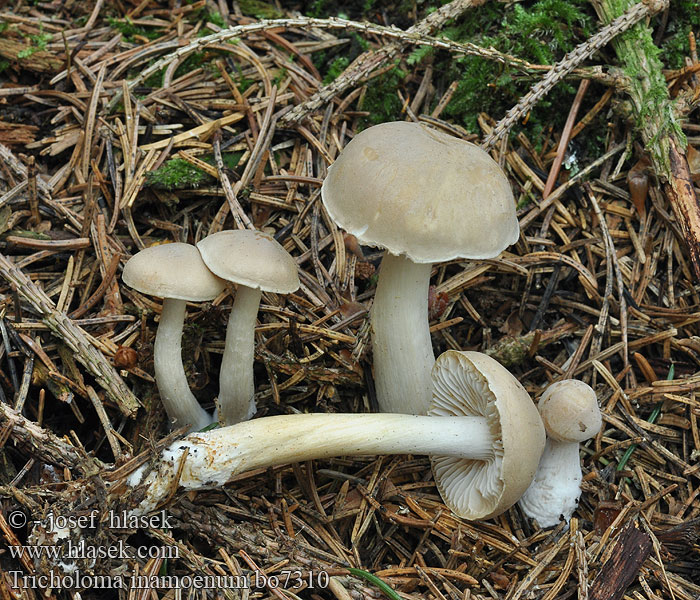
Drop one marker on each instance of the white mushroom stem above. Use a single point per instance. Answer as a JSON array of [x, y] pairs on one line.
[[213, 457], [179, 402], [554, 492], [236, 386], [402, 349]]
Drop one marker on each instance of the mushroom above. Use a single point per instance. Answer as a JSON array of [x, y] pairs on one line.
[[483, 432], [570, 413], [176, 273], [257, 263], [425, 197]]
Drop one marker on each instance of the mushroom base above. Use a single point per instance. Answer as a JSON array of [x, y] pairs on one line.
[[554, 492]]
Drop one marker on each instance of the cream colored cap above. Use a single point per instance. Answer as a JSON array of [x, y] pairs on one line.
[[569, 411], [474, 384], [251, 258], [172, 271], [420, 192]]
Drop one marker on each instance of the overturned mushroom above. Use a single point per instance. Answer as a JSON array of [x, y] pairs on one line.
[[176, 273], [570, 413], [425, 197], [484, 435]]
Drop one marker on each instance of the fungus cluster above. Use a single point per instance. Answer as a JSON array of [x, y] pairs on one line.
[[176, 273], [181, 272], [424, 197]]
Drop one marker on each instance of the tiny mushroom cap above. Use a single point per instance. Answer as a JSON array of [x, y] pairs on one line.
[[172, 271], [421, 193], [251, 258], [569, 411], [474, 384]]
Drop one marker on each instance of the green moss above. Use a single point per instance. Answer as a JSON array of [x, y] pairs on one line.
[[177, 174], [260, 9], [215, 18], [381, 99], [683, 17], [332, 62], [538, 31], [128, 30], [653, 109], [336, 67], [38, 41]]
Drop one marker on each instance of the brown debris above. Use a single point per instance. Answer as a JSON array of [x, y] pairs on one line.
[[632, 548]]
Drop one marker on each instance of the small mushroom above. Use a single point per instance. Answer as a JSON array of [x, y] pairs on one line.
[[484, 435], [257, 263], [176, 273], [425, 197], [570, 413]]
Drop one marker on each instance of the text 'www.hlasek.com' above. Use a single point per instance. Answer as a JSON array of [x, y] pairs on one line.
[[69, 557]]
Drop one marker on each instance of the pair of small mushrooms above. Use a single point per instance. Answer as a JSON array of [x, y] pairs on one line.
[[179, 273]]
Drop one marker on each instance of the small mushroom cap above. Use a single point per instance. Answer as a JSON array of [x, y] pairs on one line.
[[422, 193], [569, 411], [172, 271], [250, 258], [474, 384]]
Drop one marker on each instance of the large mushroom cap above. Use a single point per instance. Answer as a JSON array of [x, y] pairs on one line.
[[474, 384], [420, 192], [172, 271], [569, 411], [251, 258]]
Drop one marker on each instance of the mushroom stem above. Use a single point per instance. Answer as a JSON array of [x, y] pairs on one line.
[[403, 351], [214, 457], [236, 384], [170, 373], [556, 488]]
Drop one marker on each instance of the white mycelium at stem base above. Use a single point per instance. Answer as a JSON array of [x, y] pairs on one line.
[[179, 402], [236, 382], [401, 347], [425, 197], [257, 263], [570, 413], [555, 490], [214, 457]]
